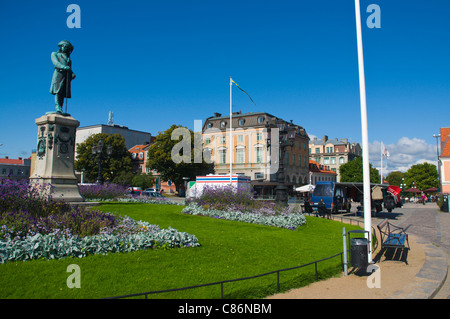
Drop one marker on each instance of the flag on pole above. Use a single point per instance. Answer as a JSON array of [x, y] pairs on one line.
[[243, 91], [385, 151]]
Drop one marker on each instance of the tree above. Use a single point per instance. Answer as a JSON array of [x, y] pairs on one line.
[[395, 178], [160, 158], [124, 178], [112, 165], [143, 180], [423, 175], [353, 172]]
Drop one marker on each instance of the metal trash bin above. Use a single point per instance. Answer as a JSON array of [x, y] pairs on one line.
[[358, 252]]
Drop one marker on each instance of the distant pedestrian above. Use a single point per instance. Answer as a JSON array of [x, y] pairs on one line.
[[322, 209], [424, 198]]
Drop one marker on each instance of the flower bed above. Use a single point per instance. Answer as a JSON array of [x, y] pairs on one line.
[[290, 220], [102, 191], [229, 203], [142, 199], [34, 227], [117, 234]]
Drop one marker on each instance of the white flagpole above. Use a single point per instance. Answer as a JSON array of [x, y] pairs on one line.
[[381, 156], [231, 128], [364, 130]]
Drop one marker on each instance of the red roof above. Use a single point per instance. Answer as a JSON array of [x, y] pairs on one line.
[[318, 168], [445, 141], [7, 160], [139, 148]]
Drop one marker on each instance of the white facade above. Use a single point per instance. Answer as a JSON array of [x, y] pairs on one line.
[[132, 137]]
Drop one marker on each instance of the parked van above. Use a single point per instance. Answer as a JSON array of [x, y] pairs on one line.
[[334, 196]]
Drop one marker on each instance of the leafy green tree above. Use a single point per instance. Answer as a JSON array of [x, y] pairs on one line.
[[395, 178], [124, 178], [353, 172], [143, 180], [160, 158], [424, 175], [112, 165]]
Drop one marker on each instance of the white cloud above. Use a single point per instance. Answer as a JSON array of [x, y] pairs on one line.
[[403, 154]]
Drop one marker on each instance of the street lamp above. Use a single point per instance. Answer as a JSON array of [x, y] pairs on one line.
[[287, 133], [403, 185], [97, 150]]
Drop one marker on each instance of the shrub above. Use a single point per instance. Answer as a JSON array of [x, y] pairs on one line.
[[102, 191], [22, 195]]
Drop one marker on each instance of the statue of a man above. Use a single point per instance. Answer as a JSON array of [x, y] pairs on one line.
[[63, 75]]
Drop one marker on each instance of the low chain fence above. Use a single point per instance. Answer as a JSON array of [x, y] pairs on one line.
[[221, 283]]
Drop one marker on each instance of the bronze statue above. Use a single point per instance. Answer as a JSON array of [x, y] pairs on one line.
[[63, 75]]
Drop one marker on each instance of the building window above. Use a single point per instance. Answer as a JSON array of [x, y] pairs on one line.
[[207, 141], [326, 161], [141, 155], [258, 137], [300, 161], [341, 160], [222, 156], [259, 175], [240, 155], [223, 124], [223, 139], [317, 150], [210, 125], [241, 122], [259, 155], [3, 171], [333, 160], [240, 138], [293, 159], [260, 119], [286, 157]]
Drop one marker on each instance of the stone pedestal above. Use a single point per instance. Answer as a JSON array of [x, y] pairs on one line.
[[55, 156]]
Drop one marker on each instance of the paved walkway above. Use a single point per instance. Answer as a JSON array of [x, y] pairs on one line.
[[424, 277], [432, 227]]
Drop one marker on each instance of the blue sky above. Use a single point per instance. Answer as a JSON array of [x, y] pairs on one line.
[[158, 63]]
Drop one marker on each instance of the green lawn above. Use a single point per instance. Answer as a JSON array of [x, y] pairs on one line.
[[229, 250]]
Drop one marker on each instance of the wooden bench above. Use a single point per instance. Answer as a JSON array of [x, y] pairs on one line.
[[392, 236]]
